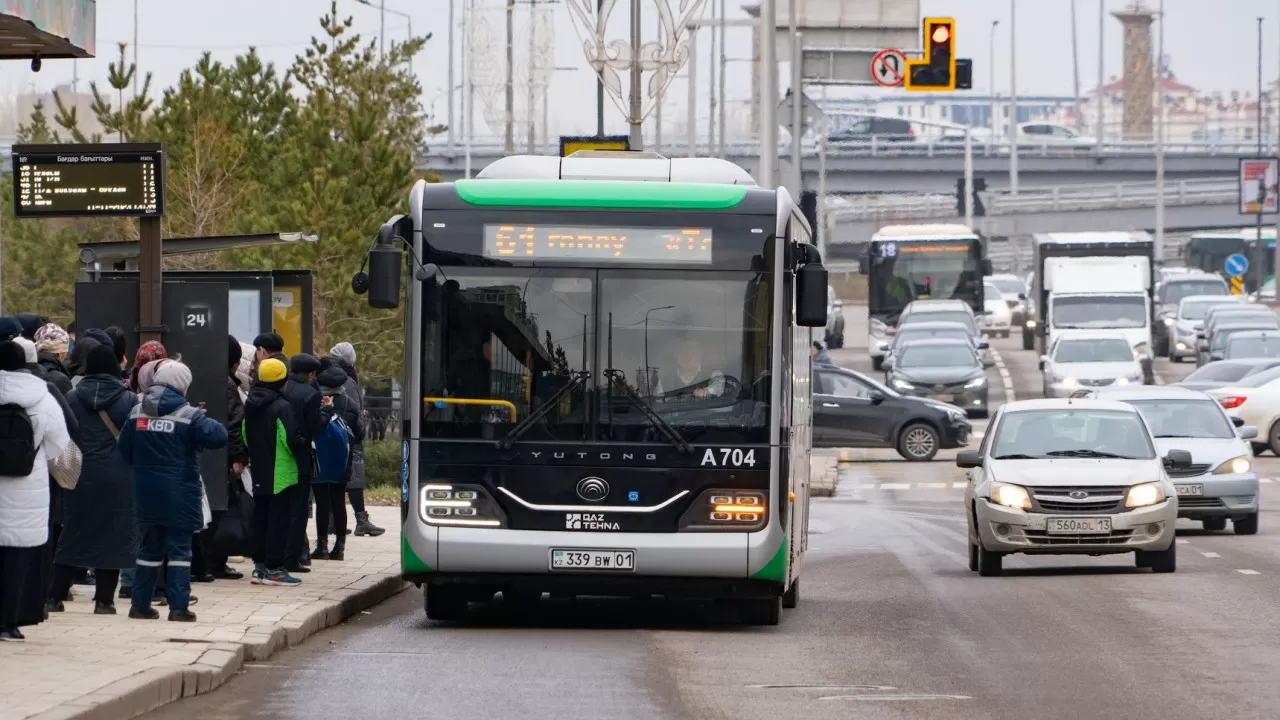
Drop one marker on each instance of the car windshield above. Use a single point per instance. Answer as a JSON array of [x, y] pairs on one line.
[[955, 316], [1007, 285], [1253, 347], [949, 355], [1258, 379], [1174, 418], [909, 333], [1196, 310], [991, 292], [1092, 351], [1173, 292], [1242, 315], [1121, 311], [1073, 431]]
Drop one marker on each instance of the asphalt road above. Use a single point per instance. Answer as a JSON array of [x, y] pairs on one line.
[[891, 625]]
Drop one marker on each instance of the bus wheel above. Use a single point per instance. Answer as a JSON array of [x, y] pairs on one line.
[[1028, 340], [791, 597], [761, 611], [444, 602]]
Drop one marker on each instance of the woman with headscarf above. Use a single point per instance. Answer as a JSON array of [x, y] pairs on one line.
[[53, 344], [99, 531], [150, 351], [344, 353]]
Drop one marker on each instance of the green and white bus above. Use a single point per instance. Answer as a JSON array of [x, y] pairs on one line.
[[610, 353], [1209, 251]]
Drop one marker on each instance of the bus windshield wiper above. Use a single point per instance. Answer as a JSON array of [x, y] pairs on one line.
[[1086, 453], [616, 376], [523, 426]]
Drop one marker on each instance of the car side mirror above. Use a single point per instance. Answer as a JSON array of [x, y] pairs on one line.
[[1237, 422], [968, 459], [1022, 296], [984, 345], [1248, 432], [1177, 460], [877, 397]]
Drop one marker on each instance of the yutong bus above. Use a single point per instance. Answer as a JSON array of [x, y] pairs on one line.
[[611, 352]]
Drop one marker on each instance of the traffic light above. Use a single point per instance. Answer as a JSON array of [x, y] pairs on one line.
[[979, 185], [937, 71]]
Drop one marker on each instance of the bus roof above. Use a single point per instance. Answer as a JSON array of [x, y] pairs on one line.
[[1093, 237], [601, 194], [597, 165], [1246, 234], [924, 232]]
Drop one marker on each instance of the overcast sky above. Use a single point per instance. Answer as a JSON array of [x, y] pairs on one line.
[[1211, 48]]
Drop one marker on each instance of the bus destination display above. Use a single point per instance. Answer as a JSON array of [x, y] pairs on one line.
[[77, 183], [681, 246]]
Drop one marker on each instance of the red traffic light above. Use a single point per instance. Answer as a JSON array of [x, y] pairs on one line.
[[941, 34]]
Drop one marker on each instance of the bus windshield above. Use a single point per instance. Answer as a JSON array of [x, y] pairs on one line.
[[570, 348], [902, 271]]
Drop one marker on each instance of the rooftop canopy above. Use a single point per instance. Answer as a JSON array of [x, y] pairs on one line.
[[48, 29]]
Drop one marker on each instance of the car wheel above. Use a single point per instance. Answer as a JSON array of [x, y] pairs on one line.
[[791, 597], [990, 564], [1247, 525], [973, 557], [918, 442], [444, 602], [1273, 439], [1028, 341], [760, 611], [877, 363], [1214, 524], [1160, 561]]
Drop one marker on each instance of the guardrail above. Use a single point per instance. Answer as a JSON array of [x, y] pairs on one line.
[[944, 147], [1053, 199]]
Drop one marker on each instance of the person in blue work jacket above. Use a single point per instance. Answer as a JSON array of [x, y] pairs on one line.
[[162, 441]]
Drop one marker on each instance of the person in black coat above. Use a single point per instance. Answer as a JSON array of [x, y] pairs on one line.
[[304, 398], [237, 459], [331, 496], [99, 530]]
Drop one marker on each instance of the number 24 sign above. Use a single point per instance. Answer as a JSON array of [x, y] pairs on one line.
[[195, 318]]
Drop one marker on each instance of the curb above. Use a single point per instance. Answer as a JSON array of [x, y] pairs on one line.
[[145, 691], [824, 473]]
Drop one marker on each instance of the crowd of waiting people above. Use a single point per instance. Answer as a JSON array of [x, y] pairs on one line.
[[100, 470]]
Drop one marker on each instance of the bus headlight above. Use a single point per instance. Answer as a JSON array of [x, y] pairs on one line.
[[726, 510], [465, 505]]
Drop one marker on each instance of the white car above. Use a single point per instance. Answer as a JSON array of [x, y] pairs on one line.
[[1062, 477], [1084, 360], [1189, 320], [1255, 399], [1221, 482], [999, 316], [1044, 133], [1014, 292]]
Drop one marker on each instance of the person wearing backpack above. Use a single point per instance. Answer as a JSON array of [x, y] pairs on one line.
[[32, 433], [333, 444]]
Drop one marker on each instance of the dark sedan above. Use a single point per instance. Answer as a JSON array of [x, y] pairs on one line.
[[1222, 373], [943, 369], [852, 410]]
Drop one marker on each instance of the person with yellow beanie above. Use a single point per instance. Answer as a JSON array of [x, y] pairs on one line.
[[274, 441]]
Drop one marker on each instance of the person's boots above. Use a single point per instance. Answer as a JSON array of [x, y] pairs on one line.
[[322, 549], [364, 527], [339, 548]]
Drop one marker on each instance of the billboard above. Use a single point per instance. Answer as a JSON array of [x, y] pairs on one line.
[[1258, 179]]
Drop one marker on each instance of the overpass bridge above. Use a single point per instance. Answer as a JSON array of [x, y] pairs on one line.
[[1190, 205], [934, 166]]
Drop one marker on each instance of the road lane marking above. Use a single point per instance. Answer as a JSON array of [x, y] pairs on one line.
[[1183, 542], [1211, 555], [932, 486], [895, 486], [958, 485], [1264, 480], [1005, 378], [1248, 572]]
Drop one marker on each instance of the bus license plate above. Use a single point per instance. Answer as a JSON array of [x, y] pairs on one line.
[[617, 560], [1189, 490], [1078, 526]]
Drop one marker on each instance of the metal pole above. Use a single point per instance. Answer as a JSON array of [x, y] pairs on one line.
[[510, 147], [532, 96], [711, 85], [797, 107], [135, 48], [1013, 98], [968, 177], [1260, 247], [599, 86], [451, 129], [768, 92], [1102, 16], [1275, 260], [637, 138], [1075, 66], [820, 232], [1160, 141], [657, 118], [382, 29], [724, 62], [468, 85], [691, 122], [991, 61]]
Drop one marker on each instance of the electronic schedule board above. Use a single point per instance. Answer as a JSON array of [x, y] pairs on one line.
[[104, 180]]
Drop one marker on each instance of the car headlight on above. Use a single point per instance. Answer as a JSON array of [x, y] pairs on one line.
[[1031, 324], [1065, 381], [466, 505], [1011, 496], [902, 384], [1235, 466], [1169, 322], [1143, 495], [975, 383]]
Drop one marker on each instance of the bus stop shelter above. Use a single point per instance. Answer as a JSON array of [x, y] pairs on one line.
[[48, 29]]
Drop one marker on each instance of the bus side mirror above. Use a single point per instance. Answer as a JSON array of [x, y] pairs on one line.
[[811, 295], [385, 262], [864, 265]]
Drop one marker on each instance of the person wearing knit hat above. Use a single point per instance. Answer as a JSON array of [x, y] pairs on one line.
[[101, 336], [31, 322], [162, 441], [53, 344], [268, 419], [344, 354], [344, 351]]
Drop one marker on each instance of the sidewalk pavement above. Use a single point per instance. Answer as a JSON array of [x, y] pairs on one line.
[[824, 472], [102, 667]]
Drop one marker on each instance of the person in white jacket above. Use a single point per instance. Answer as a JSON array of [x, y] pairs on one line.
[[24, 501]]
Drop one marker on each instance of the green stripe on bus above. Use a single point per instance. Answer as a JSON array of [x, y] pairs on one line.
[[600, 194], [776, 569], [410, 563]]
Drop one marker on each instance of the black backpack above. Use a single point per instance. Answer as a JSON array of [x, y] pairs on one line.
[[17, 442]]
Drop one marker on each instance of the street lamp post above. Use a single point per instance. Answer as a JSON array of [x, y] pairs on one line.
[[768, 92], [1160, 139], [991, 61], [1013, 98]]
